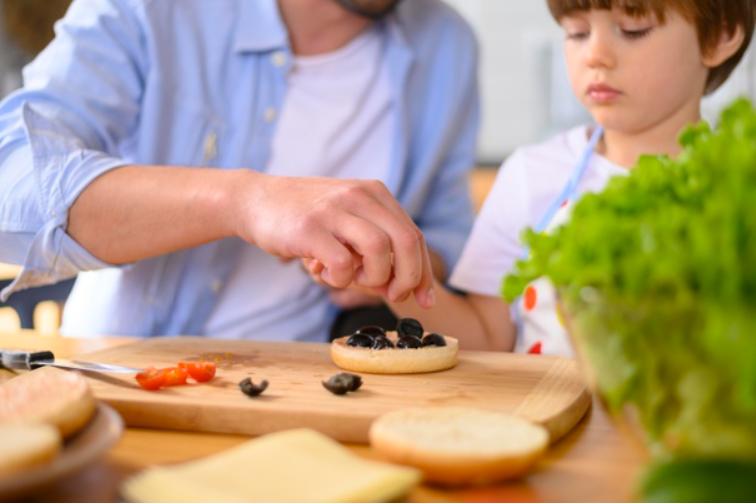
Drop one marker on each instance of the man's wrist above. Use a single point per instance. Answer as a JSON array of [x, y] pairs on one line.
[[239, 201]]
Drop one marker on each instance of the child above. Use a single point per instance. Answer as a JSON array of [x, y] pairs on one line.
[[640, 67]]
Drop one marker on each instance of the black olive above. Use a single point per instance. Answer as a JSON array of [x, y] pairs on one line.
[[434, 340], [251, 389], [356, 380], [342, 382], [360, 341], [382, 343], [408, 343], [409, 327], [372, 330]]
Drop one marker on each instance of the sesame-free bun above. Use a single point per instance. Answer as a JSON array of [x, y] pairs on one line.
[[26, 446], [394, 360], [457, 445], [48, 395]]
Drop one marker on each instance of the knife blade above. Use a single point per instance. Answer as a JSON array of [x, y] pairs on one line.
[[29, 360]]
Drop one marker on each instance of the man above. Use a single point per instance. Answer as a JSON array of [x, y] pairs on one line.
[[95, 150]]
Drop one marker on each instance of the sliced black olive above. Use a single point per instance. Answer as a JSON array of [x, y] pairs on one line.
[[383, 343], [360, 341], [251, 389], [434, 340], [408, 343], [372, 330], [355, 379], [342, 382], [409, 327]]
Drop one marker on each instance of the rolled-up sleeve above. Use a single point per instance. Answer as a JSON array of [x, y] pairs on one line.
[[80, 102]]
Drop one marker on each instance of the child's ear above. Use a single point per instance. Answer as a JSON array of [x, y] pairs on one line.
[[727, 46]]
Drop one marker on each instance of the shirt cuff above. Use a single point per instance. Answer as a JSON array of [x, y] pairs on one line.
[[53, 256]]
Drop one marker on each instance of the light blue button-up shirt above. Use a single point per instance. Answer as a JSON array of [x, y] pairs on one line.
[[193, 83]]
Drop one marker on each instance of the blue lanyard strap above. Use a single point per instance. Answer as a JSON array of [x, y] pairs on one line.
[[569, 188]]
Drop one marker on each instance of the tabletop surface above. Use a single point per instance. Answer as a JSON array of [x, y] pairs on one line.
[[594, 463]]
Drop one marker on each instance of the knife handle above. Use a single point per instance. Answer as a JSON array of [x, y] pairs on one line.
[[23, 360]]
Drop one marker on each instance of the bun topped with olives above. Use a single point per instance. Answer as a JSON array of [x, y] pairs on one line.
[[407, 350]]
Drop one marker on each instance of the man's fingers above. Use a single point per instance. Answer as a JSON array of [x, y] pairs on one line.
[[314, 268], [371, 250], [337, 262], [424, 293], [411, 265], [328, 220]]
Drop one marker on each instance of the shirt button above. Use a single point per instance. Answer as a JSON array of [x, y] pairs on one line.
[[270, 114], [279, 58], [217, 285]]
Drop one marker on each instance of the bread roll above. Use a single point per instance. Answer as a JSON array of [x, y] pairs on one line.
[[394, 360], [25, 446], [459, 446], [48, 395]]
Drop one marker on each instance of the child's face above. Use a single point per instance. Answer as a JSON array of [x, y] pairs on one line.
[[633, 74]]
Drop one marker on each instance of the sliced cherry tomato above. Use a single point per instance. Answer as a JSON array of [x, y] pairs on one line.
[[199, 371], [151, 378], [175, 376]]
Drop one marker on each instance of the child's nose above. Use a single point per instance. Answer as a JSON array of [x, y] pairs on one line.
[[600, 53]]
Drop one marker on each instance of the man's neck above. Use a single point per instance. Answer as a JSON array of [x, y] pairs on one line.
[[319, 26], [624, 149]]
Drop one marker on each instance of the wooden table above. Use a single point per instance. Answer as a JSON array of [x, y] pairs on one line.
[[592, 464]]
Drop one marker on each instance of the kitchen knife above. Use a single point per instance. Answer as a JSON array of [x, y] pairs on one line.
[[30, 360]]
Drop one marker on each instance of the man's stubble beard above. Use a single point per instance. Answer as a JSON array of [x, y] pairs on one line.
[[371, 9]]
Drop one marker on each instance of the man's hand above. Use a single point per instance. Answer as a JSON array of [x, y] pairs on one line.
[[354, 296], [355, 230]]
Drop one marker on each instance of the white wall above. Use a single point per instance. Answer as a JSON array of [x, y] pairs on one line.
[[525, 92]]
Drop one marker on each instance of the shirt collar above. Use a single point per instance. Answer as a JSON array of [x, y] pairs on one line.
[[259, 27]]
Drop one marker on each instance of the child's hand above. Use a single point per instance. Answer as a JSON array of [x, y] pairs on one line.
[[353, 296]]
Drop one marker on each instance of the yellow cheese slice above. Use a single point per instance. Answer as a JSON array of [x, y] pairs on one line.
[[295, 466]]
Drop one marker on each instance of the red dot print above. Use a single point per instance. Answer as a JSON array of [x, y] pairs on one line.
[[531, 297], [565, 203], [535, 349]]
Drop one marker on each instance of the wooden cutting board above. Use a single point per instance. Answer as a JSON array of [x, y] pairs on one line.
[[547, 390]]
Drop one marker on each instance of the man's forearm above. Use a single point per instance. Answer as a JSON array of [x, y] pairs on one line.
[[136, 212]]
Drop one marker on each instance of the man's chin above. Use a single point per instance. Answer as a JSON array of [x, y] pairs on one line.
[[371, 9]]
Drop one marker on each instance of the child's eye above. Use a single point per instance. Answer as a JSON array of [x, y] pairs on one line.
[[636, 33], [577, 35]]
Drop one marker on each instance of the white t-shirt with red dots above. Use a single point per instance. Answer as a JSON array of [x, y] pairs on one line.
[[527, 184]]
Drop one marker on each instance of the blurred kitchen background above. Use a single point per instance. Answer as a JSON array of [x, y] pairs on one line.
[[525, 96]]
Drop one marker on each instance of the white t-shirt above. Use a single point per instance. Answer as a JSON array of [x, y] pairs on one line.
[[337, 120], [526, 185]]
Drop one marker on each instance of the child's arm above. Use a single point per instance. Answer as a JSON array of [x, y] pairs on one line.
[[479, 322]]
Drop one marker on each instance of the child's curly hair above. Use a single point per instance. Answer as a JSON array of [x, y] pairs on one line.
[[710, 17], [29, 23]]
